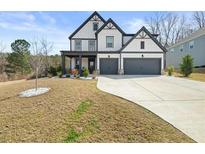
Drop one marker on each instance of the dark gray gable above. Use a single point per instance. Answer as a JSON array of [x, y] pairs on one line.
[[144, 35], [109, 24], [94, 16]]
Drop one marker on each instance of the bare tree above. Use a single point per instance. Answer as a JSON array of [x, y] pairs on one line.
[[199, 18], [155, 24], [2, 57], [36, 59], [168, 24], [178, 31], [47, 47]]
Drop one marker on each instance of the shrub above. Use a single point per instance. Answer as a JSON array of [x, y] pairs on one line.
[[85, 72], [53, 71], [170, 70], [186, 67], [59, 68]]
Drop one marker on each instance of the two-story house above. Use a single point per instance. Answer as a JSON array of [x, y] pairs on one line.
[[103, 46], [193, 45]]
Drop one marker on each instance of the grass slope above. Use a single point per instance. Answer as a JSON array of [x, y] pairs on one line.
[[76, 111]]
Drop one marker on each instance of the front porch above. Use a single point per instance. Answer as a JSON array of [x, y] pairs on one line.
[[78, 60]]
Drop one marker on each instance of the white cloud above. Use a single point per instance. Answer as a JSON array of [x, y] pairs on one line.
[[134, 25], [30, 25], [47, 18], [14, 16]]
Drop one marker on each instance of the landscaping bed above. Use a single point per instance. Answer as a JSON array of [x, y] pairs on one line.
[[76, 111]]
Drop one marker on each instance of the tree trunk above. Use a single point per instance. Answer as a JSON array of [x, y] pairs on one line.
[[36, 83]]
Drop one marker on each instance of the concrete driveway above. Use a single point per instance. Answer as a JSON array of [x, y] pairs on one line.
[[180, 102]]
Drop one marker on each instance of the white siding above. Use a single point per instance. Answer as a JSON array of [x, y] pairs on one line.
[[102, 39], [150, 45], [85, 62], [87, 30]]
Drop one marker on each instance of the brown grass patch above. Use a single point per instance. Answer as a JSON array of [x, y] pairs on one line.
[[198, 74], [59, 116]]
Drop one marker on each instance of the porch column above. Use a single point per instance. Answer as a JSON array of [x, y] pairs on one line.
[[80, 64], [63, 63], [70, 63], [96, 63]]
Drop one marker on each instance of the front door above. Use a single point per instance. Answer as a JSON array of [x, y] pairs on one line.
[[91, 65]]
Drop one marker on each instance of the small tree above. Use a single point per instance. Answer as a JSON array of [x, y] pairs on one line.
[[36, 60], [186, 67], [47, 47]]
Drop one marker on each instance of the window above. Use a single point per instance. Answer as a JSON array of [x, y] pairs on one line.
[[191, 44], [172, 50], [181, 48], [78, 45], [109, 41], [142, 45], [91, 45], [95, 26]]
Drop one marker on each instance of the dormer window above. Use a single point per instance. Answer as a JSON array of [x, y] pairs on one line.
[[95, 26], [142, 45]]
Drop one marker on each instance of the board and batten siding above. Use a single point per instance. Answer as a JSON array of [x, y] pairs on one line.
[[87, 30], [102, 39], [150, 45], [174, 55]]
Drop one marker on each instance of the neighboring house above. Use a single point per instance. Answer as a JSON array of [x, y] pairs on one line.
[[193, 45], [103, 46]]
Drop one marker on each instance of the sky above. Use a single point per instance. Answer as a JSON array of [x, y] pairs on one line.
[[57, 26]]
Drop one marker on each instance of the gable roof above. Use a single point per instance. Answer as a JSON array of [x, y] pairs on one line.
[[200, 32], [85, 22], [108, 21], [149, 34]]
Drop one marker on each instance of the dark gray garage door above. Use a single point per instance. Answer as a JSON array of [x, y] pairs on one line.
[[108, 66], [145, 66]]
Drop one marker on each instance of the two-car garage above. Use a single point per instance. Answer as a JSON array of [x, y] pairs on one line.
[[131, 66], [142, 66]]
